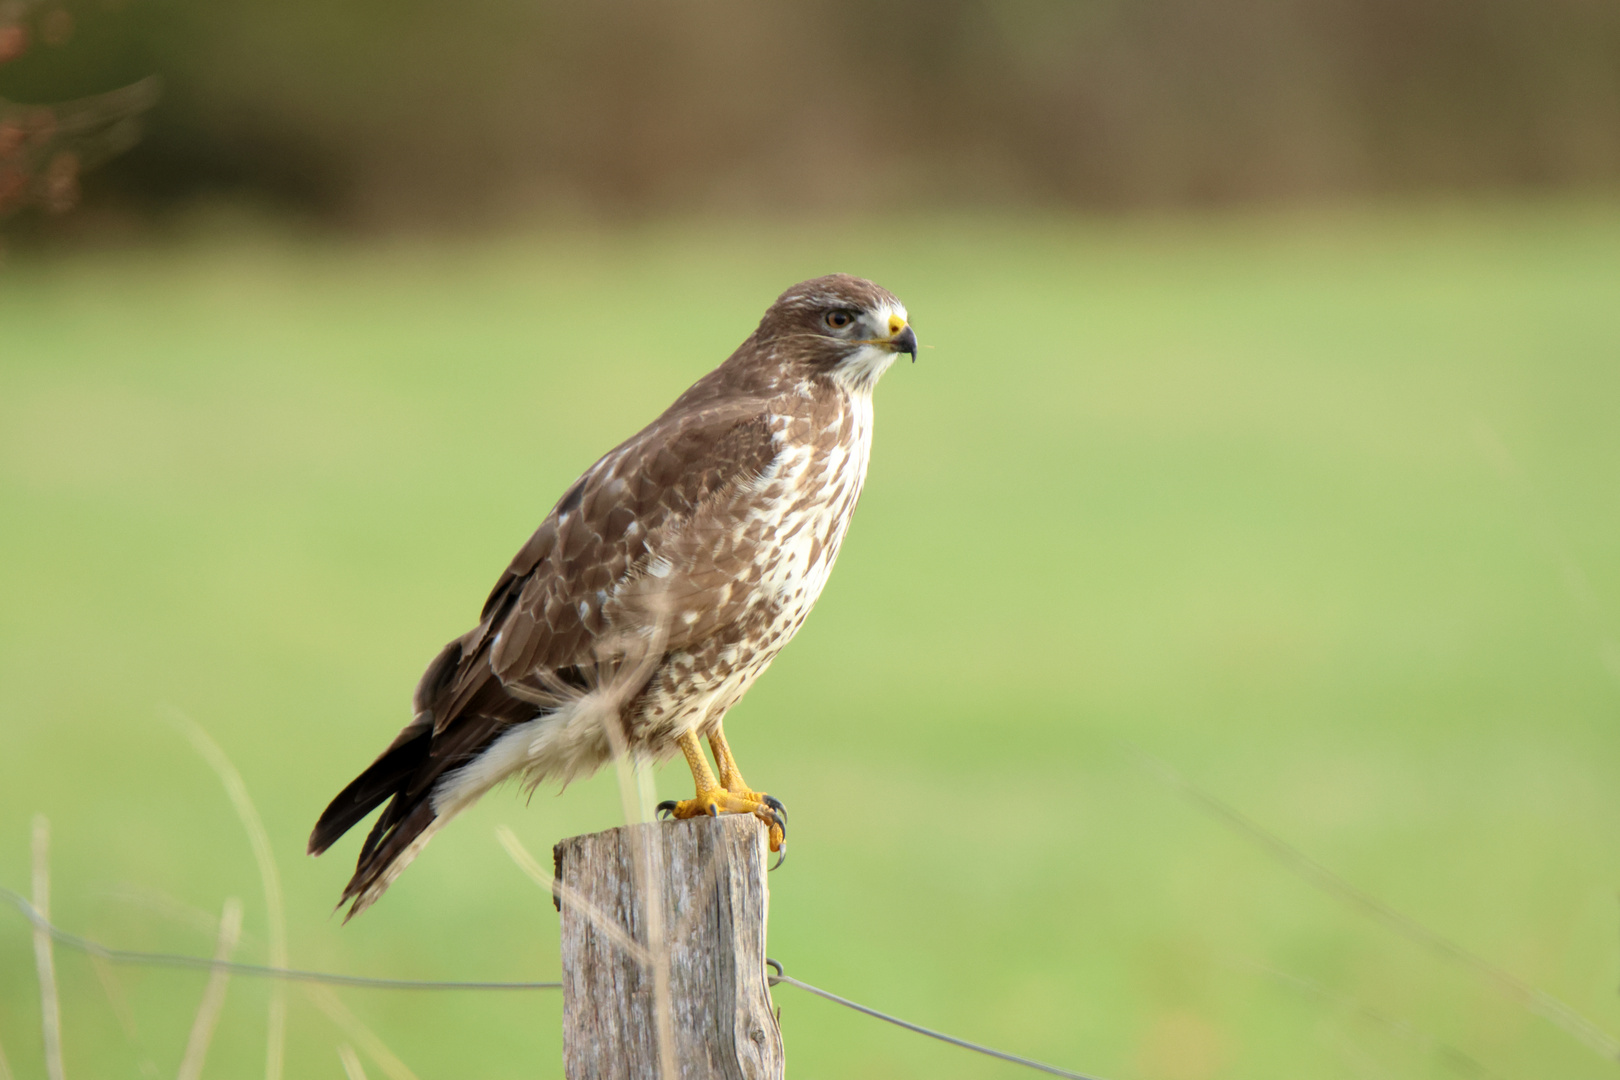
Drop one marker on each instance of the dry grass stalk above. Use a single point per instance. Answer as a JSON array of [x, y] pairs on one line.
[[269, 879], [115, 995], [624, 665], [1348, 1007], [320, 997], [50, 1005], [599, 919], [351, 1062], [326, 1001], [213, 999], [636, 795], [654, 881], [5, 1066], [1301, 865], [120, 1007], [635, 789], [167, 907]]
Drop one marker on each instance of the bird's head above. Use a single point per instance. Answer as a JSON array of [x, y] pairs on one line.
[[840, 326]]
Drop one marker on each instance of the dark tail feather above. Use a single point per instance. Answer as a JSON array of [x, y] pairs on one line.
[[404, 777], [407, 773], [406, 820], [399, 834], [387, 777]]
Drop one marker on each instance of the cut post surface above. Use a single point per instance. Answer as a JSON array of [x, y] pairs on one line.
[[709, 875]]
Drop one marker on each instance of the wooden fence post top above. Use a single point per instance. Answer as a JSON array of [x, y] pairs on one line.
[[700, 953]]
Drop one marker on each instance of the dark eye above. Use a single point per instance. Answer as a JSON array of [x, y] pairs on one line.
[[838, 319]]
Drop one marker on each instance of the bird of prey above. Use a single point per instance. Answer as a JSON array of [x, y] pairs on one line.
[[660, 586]]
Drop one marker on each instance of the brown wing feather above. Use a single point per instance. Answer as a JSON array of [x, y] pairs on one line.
[[549, 608]]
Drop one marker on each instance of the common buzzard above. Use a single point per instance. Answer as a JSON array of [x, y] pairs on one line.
[[660, 586]]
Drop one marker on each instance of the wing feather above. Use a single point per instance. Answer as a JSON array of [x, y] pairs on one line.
[[561, 595], [629, 508]]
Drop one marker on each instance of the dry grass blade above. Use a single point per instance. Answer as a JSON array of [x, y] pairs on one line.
[[599, 918], [5, 1066], [322, 998], [648, 862], [1457, 1060], [213, 999], [624, 665], [351, 1062], [637, 664], [269, 879], [1541, 522], [1355, 1057], [50, 1005], [167, 907], [377, 1050], [120, 1007], [1297, 862], [115, 996]]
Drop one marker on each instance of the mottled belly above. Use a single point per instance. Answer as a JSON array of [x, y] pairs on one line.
[[800, 518]]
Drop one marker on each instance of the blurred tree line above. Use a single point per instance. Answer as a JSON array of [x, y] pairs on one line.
[[363, 110]]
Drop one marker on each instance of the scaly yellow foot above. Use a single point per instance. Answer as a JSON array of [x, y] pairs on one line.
[[732, 779], [733, 797]]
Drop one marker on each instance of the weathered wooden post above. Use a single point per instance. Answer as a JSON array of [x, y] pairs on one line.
[[708, 877]]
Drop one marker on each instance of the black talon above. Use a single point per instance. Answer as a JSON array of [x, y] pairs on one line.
[[778, 816], [665, 807], [779, 819]]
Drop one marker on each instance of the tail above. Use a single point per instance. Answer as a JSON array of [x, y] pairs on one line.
[[409, 776], [402, 829], [433, 770], [405, 776]]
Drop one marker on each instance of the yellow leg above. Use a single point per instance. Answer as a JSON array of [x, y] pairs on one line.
[[730, 776], [701, 776], [728, 795]]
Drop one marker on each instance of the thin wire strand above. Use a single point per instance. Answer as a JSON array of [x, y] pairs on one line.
[[782, 977], [263, 971], [200, 963]]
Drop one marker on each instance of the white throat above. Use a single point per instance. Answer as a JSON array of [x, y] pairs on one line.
[[859, 372]]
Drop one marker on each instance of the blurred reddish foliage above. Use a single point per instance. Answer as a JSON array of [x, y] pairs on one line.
[[45, 148], [13, 41]]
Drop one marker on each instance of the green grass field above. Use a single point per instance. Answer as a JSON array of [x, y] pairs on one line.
[[1322, 510]]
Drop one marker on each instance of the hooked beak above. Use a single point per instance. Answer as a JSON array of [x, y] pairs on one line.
[[901, 337]]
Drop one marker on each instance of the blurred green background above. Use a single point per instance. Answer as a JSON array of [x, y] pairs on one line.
[[1322, 512], [1265, 425]]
